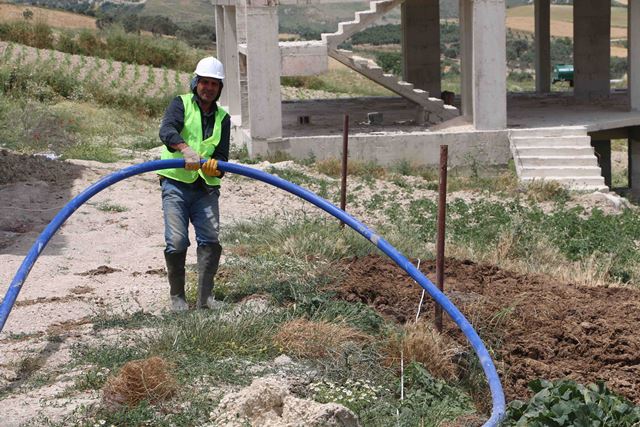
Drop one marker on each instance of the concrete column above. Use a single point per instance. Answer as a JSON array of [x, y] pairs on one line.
[[263, 71], [489, 65], [634, 162], [603, 153], [466, 58], [421, 44], [220, 46], [543, 45], [231, 61], [244, 92], [592, 48], [634, 54]]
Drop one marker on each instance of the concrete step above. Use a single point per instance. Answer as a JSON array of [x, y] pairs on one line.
[[559, 150], [559, 171], [575, 183], [362, 20], [587, 160], [364, 14], [548, 132], [529, 141]]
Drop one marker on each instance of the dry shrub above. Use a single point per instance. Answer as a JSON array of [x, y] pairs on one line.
[[305, 338], [419, 342], [138, 380], [333, 167], [544, 190]]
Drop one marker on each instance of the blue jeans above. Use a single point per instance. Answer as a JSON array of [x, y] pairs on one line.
[[182, 203]]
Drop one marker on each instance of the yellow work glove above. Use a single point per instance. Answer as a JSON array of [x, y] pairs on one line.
[[191, 158], [210, 167]]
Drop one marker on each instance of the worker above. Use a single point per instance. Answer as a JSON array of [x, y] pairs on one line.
[[194, 127]]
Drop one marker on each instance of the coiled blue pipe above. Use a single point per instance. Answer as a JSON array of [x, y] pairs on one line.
[[493, 379]]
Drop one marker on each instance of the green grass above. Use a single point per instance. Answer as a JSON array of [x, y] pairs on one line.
[[339, 80], [290, 263], [110, 207], [113, 44], [50, 110]]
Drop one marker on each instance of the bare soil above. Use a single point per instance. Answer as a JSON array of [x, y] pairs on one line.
[[107, 258], [539, 328]]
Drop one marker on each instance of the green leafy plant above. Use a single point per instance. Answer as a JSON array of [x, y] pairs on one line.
[[567, 403], [429, 401], [355, 395]]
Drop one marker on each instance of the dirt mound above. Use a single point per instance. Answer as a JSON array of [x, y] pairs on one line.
[[539, 328], [32, 190], [23, 168]]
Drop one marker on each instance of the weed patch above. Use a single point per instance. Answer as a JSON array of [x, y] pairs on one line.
[[315, 340], [138, 380]]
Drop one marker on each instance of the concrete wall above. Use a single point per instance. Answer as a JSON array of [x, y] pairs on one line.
[[591, 48], [491, 148], [421, 44]]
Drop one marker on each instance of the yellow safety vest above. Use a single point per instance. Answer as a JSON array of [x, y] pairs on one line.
[[192, 136]]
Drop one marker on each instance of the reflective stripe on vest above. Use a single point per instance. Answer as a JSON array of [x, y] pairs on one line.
[[192, 136]]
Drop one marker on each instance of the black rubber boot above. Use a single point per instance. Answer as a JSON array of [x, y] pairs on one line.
[[176, 275], [208, 260]]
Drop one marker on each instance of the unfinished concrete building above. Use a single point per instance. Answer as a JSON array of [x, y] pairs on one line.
[[565, 136]]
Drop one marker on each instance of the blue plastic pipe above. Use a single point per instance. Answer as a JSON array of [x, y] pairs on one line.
[[488, 367]]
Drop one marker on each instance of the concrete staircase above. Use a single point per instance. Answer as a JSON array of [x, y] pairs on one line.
[[362, 20], [431, 110], [562, 154]]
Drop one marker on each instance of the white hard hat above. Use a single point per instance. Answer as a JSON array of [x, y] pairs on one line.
[[210, 67]]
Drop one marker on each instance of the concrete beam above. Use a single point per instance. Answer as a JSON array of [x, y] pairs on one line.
[[617, 133], [301, 58], [263, 72], [466, 58], [592, 48], [231, 61], [421, 44], [279, 2], [220, 46], [634, 54], [543, 45], [489, 65]]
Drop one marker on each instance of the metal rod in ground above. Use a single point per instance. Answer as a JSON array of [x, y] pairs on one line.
[[442, 217], [345, 156]]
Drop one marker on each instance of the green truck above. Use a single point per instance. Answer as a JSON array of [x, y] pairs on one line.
[[563, 73]]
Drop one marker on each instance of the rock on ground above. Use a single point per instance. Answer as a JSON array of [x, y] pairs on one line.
[[267, 402]]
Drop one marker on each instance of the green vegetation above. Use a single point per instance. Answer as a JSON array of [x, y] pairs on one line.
[[48, 109], [107, 206], [289, 262], [112, 43], [219, 344], [566, 403]]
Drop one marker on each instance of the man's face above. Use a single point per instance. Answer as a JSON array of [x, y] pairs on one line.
[[208, 88]]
